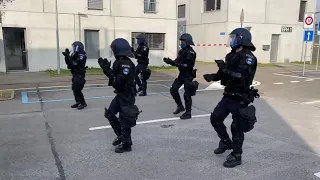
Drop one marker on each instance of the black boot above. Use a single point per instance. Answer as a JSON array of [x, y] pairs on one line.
[[116, 141], [75, 105], [121, 148], [186, 115], [179, 110], [233, 160], [223, 146], [82, 105]]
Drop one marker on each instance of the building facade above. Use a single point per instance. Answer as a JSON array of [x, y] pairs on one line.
[[276, 26], [29, 33]]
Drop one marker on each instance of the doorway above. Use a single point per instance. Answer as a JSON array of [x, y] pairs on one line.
[[274, 48], [15, 49]]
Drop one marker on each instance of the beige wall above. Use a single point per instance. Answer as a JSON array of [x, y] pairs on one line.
[[38, 17]]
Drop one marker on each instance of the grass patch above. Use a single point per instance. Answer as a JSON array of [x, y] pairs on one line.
[[307, 62], [259, 64], [6, 95], [98, 71]]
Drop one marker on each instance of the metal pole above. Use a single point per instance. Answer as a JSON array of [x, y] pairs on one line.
[[79, 26], [57, 36], [304, 61], [318, 57]]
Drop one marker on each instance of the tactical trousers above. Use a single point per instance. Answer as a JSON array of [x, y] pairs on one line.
[[141, 82], [117, 124], [174, 90], [227, 105], [78, 82]]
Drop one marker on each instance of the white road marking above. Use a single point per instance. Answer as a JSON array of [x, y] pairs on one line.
[[151, 121], [217, 85], [278, 83], [310, 102], [292, 76], [309, 79], [317, 174], [294, 81]]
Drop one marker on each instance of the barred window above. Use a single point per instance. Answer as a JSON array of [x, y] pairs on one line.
[[155, 40], [149, 6], [95, 4]]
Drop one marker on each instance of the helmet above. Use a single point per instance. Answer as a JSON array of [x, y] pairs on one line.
[[141, 39], [187, 38], [241, 37], [121, 47], [77, 46]]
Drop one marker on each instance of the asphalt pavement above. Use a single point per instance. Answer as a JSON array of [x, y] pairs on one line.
[[41, 137]]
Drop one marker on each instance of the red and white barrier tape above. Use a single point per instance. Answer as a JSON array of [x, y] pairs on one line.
[[211, 44]]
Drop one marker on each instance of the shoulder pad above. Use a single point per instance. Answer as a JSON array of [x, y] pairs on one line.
[[82, 57], [125, 70]]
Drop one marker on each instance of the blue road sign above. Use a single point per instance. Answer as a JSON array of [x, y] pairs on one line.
[[318, 26], [308, 35]]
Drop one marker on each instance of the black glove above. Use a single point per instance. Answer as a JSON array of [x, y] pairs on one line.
[[104, 63], [209, 77], [66, 53], [220, 64], [168, 61]]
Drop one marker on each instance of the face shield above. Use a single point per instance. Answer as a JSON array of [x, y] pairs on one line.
[[232, 41], [111, 54], [182, 44]]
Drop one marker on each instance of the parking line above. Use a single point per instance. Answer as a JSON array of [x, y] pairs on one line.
[[311, 102], [24, 97], [317, 174], [151, 121]]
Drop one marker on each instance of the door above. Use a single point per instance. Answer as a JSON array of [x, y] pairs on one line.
[[15, 49], [274, 48]]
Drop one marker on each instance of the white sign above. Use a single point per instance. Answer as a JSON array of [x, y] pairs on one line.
[[308, 21]]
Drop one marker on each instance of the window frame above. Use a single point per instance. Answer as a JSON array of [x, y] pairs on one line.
[[97, 9], [151, 3], [85, 42], [305, 8], [148, 35], [184, 15], [215, 6]]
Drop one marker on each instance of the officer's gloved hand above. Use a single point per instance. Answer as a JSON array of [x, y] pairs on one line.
[[104, 63], [209, 77], [168, 61], [220, 64], [66, 52]]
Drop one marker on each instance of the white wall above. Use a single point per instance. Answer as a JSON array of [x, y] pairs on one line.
[[266, 17], [40, 24]]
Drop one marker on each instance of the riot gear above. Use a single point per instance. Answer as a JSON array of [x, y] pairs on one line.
[[76, 62]]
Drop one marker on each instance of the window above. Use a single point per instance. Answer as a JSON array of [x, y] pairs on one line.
[[182, 11], [149, 6], [92, 43], [155, 40], [212, 5], [303, 5], [95, 4]]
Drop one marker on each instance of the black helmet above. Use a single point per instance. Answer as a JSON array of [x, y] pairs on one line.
[[121, 47], [141, 39], [77, 46], [241, 37], [187, 38]]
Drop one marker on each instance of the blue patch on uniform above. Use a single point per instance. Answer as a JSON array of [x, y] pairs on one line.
[[249, 61], [125, 71]]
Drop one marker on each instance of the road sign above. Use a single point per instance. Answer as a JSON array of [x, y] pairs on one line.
[[308, 21], [318, 27], [308, 35]]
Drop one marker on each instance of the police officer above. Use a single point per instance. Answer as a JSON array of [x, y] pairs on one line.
[[76, 62], [236, 74], [122, 78], [141, 54], [185, 63]]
